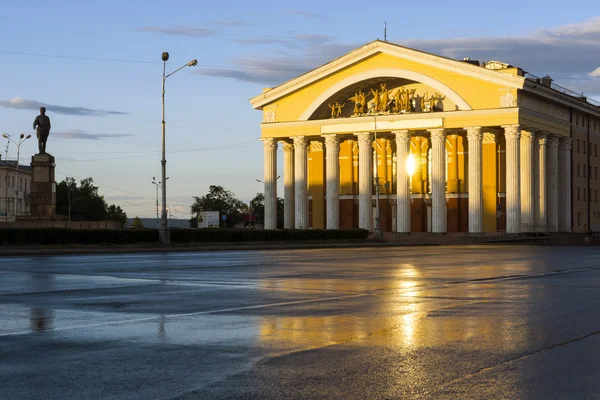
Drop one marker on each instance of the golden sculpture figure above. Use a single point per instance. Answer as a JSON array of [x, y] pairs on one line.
[[376, 100], [360, 102], [338, 109], [385, 98], [422, 101], [332, 110]]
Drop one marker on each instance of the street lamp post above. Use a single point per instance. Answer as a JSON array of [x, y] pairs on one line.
[[22, 138], [158, 185], [164, 235]]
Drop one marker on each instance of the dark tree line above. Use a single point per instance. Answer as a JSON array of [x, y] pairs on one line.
[[86, 203], [226, 203]]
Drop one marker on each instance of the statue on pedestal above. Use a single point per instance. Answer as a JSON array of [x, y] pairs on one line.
[[42, 127]]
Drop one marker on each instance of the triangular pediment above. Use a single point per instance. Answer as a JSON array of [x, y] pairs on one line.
[[378, 47]]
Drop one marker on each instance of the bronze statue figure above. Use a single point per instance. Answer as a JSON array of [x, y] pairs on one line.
[[42, 127], [385, 98]]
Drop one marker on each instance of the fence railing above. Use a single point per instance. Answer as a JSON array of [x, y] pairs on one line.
[[564, 90]]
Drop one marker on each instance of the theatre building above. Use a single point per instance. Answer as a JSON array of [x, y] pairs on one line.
[[445, 145]]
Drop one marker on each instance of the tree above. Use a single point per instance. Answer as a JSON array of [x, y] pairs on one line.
[[137, 223], [221, 200], [257, 204], [86, 203], [115, 213]]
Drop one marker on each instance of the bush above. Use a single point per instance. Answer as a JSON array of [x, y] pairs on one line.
[[12, 236], [42, 236]]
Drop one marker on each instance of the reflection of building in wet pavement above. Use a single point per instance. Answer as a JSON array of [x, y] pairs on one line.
[[409, 308], [41, 318]]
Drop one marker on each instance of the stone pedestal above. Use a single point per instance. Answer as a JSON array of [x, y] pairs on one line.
[[43, 186]]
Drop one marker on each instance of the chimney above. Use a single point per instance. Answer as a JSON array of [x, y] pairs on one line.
[[547, 81]]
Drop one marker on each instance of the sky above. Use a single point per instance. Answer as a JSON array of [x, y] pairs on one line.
[[97, 67]]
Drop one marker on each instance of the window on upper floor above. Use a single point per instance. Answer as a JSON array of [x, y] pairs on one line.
[[12, 182], [578, 197], [584, 195], [578, 169], [584, 175], [578, 146], [584, 147], [577, 119]]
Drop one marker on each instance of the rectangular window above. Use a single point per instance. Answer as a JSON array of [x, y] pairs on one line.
[[584, 173], [584, 195], [578, 146], [12, 182], [578, 169], [578, 195], [590, 171], [576, 119], [584, 147]]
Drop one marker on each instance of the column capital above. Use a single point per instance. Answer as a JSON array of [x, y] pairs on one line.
[[566, 143], [542, 138], [438, 134], [364, 137], [473, 133], [331, 140], [511, 131], [489, 137], [402, 135], [528, 135], [553, 140], [269, 143], [287, 146], [299, 140]]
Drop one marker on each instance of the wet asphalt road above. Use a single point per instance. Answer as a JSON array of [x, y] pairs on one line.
[[380, 323]]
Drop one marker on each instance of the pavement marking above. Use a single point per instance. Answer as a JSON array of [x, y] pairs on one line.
[[223, 310]]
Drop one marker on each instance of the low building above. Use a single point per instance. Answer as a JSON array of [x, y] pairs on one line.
[[449, 146], [15, 187]]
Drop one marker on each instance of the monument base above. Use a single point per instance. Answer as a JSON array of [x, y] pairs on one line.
[[42, 200]]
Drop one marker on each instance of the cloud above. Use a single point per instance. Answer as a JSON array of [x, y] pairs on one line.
[[569, 53], [81, 134], [192, 31], [19, 103], [307, 14]]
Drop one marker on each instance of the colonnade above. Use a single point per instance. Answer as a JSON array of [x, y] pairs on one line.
[[538, 180]]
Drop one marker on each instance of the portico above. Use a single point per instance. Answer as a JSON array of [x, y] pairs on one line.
[[443, 157]]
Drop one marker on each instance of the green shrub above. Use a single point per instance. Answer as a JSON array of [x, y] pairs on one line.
[[43, 236]]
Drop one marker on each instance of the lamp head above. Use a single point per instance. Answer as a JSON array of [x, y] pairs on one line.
[[21, 136], [5, 136], [27, 137], [193, 63], [165, 56]]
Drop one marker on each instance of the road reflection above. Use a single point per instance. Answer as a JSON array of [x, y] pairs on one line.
[[41, 318]]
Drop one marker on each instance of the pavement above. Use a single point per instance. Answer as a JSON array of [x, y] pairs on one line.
[[440, 322]]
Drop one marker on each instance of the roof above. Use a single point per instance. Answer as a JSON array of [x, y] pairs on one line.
[[12, 164]]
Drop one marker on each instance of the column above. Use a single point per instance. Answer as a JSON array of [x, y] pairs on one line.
[[526, 176], [513, 194], [542, 206], [402, 183], [438, 181], [552, 183], [365, 180], [332, 180], [288, 184], [536, 184], [564, 184], [300, 182], [474, 138], [270, 179]]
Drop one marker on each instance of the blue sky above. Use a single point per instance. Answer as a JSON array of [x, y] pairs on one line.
[[98, 65]]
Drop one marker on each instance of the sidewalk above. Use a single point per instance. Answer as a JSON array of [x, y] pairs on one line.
[[40, 250]]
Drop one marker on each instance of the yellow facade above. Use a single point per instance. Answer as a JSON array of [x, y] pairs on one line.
[[465, 96]]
